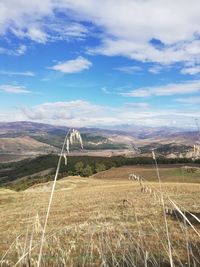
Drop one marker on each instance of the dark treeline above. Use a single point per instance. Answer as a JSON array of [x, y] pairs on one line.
[[85, 166]]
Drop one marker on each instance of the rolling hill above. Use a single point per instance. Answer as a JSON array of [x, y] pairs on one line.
[[26, 139], [104, 220]]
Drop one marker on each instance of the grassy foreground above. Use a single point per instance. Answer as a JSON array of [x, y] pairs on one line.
[[103, 220]]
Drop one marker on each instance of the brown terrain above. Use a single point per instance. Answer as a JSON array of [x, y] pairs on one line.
[[104, 219]]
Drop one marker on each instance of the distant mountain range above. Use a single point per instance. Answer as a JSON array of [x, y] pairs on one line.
[[26, 138]]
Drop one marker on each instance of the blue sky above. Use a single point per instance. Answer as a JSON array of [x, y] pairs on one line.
[[100, 63]]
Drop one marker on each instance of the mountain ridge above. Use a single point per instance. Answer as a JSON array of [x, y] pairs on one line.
[[97, 141]]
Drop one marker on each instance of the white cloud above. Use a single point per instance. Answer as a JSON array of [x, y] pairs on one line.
[[189, 100], [80, 113], [191, 70], [155, 69], [72, 66], [21, 50], [146, 52], [16, 51], [130, 26], [63, 30], [38, 21], [189, 87], [37, 35], [129, 69], [50, 31], [73, 113], [126, 27], [16, 73], [12, 115], [169, 22], [14, 89]]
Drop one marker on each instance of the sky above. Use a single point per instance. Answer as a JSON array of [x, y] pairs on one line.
[[100, 63]]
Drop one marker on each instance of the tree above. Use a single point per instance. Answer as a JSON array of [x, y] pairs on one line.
[[79, 167], [99, 167], [87, 171]]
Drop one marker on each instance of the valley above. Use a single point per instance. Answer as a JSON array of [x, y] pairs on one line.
[[28, 139]]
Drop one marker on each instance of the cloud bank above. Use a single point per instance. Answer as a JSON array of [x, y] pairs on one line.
[[80, 113]]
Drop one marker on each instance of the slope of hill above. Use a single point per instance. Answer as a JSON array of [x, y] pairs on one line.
[[100, 221], [23, 144], [22, 174]]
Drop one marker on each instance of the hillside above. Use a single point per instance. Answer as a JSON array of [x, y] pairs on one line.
[[25, 173], [24, 144], [120, 225]]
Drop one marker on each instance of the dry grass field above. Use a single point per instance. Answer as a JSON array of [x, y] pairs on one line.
[[104, 220]]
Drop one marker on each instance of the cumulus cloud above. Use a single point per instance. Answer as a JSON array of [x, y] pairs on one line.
[[38, 21], [80, 113], [14, 89], [144, 30], [150, 31], [72, 66], [141, 20], [189, 87], [73, 113]]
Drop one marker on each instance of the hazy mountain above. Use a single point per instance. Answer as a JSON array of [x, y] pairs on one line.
[[30, 138]]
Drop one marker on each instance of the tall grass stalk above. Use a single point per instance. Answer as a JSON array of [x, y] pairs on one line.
[[164, 213], [8, 250], [50, 199], [184, 217]]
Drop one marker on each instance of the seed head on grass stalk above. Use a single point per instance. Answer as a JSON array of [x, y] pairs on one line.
[[72, 136]]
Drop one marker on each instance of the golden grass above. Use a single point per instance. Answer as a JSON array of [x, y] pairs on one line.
[[90, 224]]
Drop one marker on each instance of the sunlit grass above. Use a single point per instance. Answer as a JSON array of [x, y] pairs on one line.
[[89, 224]]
